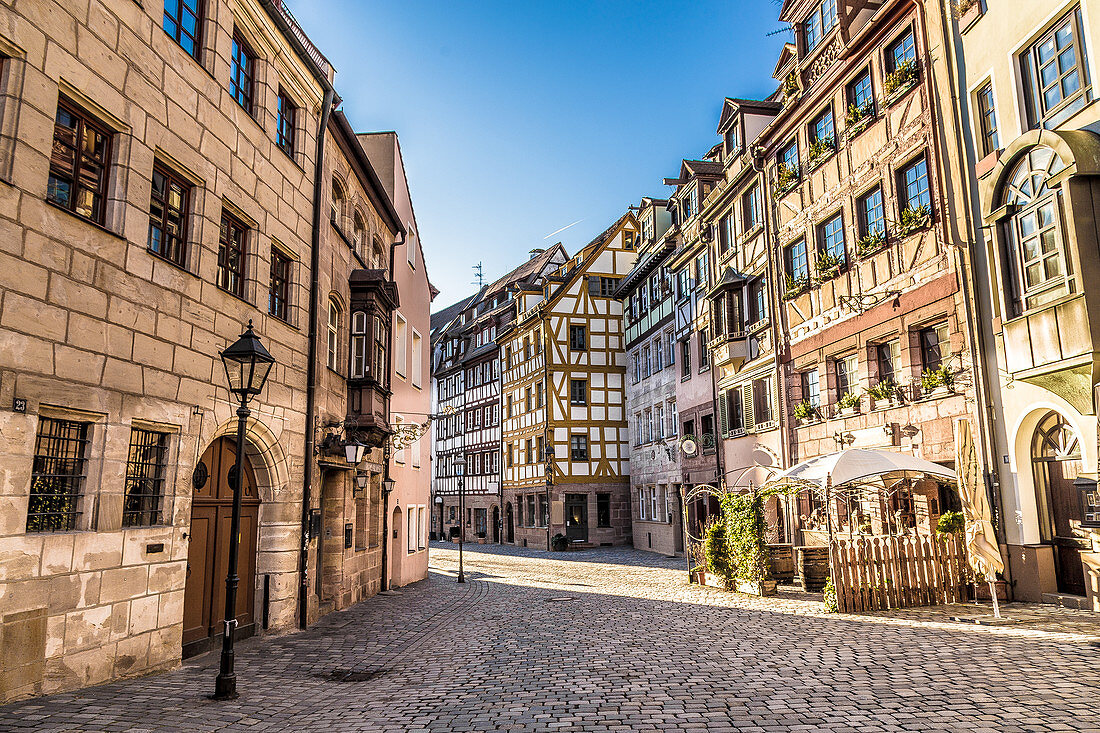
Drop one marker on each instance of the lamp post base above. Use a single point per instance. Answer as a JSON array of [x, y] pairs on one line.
[[225, 687]]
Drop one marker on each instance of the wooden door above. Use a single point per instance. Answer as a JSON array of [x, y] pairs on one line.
[[208, 551], [576, 517], [1065, 509]]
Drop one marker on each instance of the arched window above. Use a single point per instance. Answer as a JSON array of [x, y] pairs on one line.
[[358, 233], [337, 212], [378, 256], [359, 354], [1035, 255], [333, 335]]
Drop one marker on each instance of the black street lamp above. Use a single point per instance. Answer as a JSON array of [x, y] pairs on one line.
[[460, 471], [247, 365]]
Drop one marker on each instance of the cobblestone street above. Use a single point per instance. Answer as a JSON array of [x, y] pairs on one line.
[[607, 640]]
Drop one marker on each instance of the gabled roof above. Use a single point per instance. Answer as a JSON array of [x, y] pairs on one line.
[[443, 318], [787, 56], [528, 269], [700, 168], [732, 105]]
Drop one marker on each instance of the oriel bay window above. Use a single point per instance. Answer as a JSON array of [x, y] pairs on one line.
[[1035, 261], [360, 352], [168, 215], [57, 475], [78, 162]]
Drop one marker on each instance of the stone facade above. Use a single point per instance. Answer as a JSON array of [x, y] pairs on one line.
[[111, 329], [1040, 327]]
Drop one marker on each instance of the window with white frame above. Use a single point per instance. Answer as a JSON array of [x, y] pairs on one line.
[[333, 335], [400, 332], [417, 358]]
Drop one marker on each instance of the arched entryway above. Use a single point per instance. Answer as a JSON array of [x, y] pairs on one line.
[[509, 527], [1056, 458], [208, 550], [496, 524]]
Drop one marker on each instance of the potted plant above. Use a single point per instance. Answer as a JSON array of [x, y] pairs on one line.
[[900, 80], [828, 265], [951, 523], [885, 392], [796, 286], [786, 177], [914, 218], [820, 150], [937, 381], [559, 543], [481, 538], [870, 243], [805, 412], [859, 116], [848, 404]]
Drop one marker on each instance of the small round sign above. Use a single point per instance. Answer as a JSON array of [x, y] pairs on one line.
[[689, 446], [199, 476]]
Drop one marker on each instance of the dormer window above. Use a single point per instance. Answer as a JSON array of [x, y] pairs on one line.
[[692, 203], [733, 138], [818, 24]]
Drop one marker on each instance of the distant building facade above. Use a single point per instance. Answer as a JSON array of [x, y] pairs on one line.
[[565, 433], [650, 345]]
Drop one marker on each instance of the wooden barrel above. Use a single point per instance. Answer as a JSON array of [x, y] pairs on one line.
[[781, 563], [813, 567]]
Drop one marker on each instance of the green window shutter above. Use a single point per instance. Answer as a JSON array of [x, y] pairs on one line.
[[723, 416], [747, 407]]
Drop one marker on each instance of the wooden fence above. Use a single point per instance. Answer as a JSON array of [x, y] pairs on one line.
[[878, 573]]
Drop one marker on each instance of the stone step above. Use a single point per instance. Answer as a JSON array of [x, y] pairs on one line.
[[1065, 600]]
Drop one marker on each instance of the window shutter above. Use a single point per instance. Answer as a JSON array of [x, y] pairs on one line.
[[593, 285], [747, 408], [723, 415]]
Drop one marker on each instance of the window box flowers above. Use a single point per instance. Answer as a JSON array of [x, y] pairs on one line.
[[859, 117], [828, 265], [805, 412], [821, 150], [796, 286], [786, 178], [914, 218], [937, 382], [884, 394], [900, 80], [848, 404], [870, 243]]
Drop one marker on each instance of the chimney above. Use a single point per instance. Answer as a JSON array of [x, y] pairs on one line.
[[535, 253]]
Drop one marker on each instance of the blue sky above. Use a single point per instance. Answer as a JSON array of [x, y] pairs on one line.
[[519, 118]]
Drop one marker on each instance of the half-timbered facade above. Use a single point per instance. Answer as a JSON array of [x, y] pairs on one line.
[[468, 390], [743, 333], [649, 321], [690, 263], [564, 399], [874, 310]]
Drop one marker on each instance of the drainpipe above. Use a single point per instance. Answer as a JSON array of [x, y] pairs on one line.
[[329, 101], [384, 581]]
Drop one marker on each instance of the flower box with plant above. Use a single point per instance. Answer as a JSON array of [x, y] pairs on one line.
[[859, 116], [967, 12], [796, 286], [885, 393], [786, 178], [828, 265], [805, 412], [937, 381], [821, 150], [900, 80], [870, 243], [848, 404], [914, 218]]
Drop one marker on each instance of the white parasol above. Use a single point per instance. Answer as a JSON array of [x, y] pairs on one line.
[[981, 542], [857, 464]]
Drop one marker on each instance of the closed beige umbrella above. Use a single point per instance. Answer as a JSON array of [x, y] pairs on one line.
[[981, 542]]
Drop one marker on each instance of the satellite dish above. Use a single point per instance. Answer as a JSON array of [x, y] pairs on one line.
[[689, 446]]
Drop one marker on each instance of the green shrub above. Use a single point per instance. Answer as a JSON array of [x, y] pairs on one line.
[[559, 542], [829, 597], [745, 515], [951, 523], [804, 410], [718, 554]]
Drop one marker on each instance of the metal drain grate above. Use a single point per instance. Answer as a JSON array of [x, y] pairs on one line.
[[348, 675], [559, 599]]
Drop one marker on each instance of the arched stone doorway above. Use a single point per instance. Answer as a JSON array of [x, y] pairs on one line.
[[1056, 459], [208, 551], [496, 524], [509, 527]]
